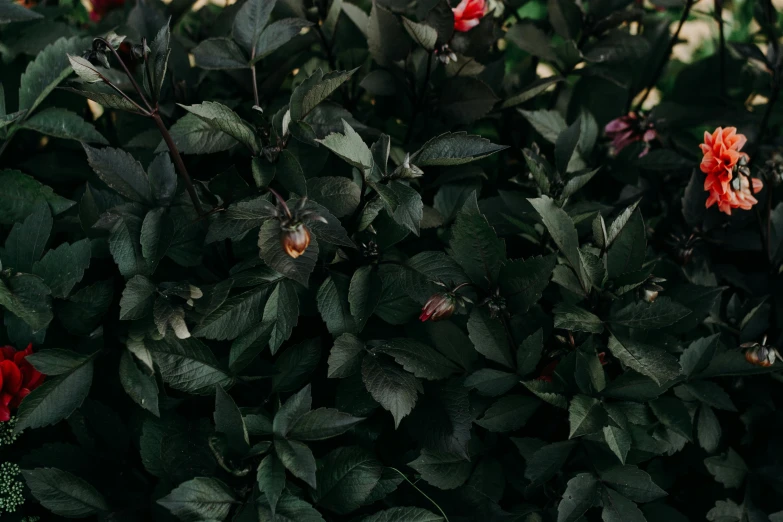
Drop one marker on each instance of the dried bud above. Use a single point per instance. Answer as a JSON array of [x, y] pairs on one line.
[[760, 355], [651, 289], [295, 239], [439, 306]]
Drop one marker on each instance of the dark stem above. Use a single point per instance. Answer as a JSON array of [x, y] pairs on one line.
[[327, 47], [418, 99], [177, 159], [128, 74], [253, 74], [119, 91], [722, 42], [281, 201], [667, 55]]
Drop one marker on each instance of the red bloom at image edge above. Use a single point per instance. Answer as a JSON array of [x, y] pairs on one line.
[[468, 14], [17, 379], [629, 129], [728, 181], [101, 7]]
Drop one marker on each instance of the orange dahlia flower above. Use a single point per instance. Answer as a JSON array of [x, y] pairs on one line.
[[727, 180]]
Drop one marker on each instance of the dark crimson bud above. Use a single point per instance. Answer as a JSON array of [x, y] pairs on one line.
[[761, 355], [295, 239], [439, 306]]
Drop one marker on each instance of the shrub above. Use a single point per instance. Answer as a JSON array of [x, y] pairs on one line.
[[391, 260]]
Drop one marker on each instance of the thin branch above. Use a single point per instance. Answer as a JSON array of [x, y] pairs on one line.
[[253, 75], [128, 74], [175, 156], [667, 55]]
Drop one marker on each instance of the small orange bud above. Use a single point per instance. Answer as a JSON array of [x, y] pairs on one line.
[[295, 239], [761, 355], [439, 306]]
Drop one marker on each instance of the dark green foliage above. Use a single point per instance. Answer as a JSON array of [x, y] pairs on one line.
[[223, 279]]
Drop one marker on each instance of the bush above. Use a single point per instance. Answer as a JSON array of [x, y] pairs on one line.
[[391, 261]]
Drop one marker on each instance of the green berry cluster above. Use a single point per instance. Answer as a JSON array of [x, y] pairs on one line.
[[7, 435], [10, 487]]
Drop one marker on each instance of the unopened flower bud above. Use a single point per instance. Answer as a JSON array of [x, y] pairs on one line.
[[295, 239], [761, 355], [439, 306]]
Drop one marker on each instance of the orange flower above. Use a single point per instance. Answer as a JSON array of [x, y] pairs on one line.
[[728, 181], [721, 151], [468, 14], [739, 195]]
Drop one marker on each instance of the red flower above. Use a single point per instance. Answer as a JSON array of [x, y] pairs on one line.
[[548, 371], [629, 129], [727, 181], [101, 7], [468, 14], [437, 307], [17, 379]]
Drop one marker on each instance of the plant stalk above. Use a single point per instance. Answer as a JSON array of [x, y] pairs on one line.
[[672, 42], [175, 156]]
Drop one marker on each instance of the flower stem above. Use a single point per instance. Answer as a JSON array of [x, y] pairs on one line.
[[127, 73], [722, 42], [667, 55], [175, 156], [422, 493], [281, 201]]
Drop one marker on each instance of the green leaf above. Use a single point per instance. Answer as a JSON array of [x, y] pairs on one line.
[[585, 416], [188, 365], [424, 35], [64, 266], [548, 460], [220, 54], [650, 316], [531, 91], [49, 68], [220, 117], [394, 388], [139, 386], [291, 410], [563, 232], [137, 298], [627, 251], [708, 429], [489, 337], [339, 195], [277, 34], [509, 413], [549, 124], [200, 499], [403, 203], [239, 218], [271, 479], [298, 459], [192, 135], [64, 494], [364, 294], [56, 361], [346, 478], [579, 496], [313, 90], [21, 194], [674, 415], [697, 356], [350, 147], [403, 514], [618, 440], [250, 21], [13, 12], [156, 236], [729, 469], [282, 311], [27, 297], [443, 470], [465, 99], [56, 399], [294, 366], [647, 359], [321, 424], [333, 305], [490, 382], [475, 246], [124, 224], [565, 146], [345, 358], [633, 483], [454, 148], [523, 281], [617, 508], [229, 422], [120, 171], [234, 316], [417, 358], [248, 345], [709, 393], [290, 508], [61, 123], [574, 318], [27, 240]]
